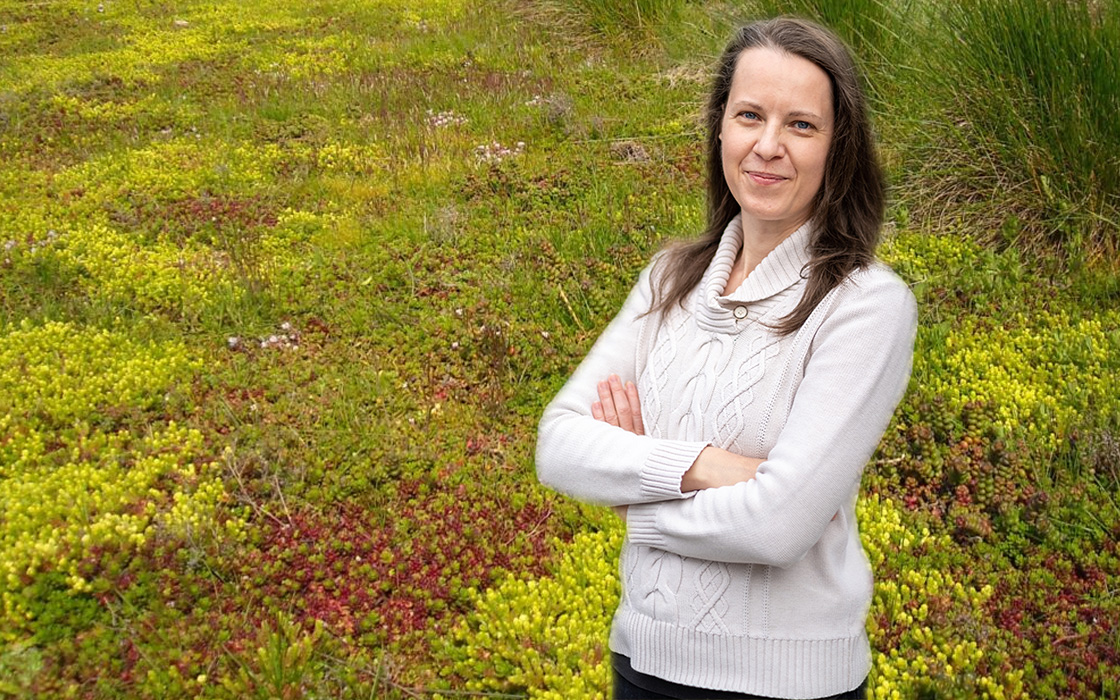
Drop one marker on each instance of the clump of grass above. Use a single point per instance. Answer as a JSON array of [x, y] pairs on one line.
[[875, 29], [1026, 96], [619, 18]]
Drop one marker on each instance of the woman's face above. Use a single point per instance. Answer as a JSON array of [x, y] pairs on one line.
[[775, 134]]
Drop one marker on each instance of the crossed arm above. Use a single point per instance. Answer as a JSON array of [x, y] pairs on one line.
[[619, 406]]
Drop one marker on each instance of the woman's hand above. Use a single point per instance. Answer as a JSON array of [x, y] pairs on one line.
[[619, 405]]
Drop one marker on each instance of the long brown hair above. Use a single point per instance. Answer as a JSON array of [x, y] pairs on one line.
[[848, 208]]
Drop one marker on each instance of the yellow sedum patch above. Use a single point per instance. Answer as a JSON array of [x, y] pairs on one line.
[[175, 169], [158, 273], [103, 490], [146, 44], [153, 276], [920, 256], [137, 61], [546, 636], [1040, 370], [58, 373], [905, 602], [102, 112], [70, 488], [354, 160], [1018, 369]]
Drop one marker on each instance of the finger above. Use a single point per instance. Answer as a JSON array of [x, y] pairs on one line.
[[635, 407], [597, 410], [621, 404], [609, 414]]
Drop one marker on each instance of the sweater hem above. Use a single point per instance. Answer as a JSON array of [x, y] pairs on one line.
[[778, 668]]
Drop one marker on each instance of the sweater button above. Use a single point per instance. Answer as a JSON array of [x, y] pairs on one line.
[[740, 312]]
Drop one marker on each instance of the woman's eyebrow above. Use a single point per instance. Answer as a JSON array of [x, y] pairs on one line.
[[799, 113], [746, 103]]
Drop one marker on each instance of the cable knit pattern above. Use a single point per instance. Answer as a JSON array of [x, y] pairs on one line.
[[709, 603], [761, 587]]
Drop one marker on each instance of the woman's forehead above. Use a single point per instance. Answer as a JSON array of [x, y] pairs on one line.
[[767, 77]]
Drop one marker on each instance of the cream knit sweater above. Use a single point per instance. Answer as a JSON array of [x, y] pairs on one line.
[[762, 587]]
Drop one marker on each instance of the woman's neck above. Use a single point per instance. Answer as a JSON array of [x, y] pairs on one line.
[[757, 244]]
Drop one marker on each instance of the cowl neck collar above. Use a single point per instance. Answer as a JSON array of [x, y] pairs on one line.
[[777, 271]]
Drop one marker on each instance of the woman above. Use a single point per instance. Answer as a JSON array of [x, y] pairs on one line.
[[729, 409]]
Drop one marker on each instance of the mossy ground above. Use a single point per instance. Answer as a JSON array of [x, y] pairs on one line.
[[285, 286]]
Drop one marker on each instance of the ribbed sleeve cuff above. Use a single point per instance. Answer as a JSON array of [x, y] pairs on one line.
[[664, 467], [641, 525]]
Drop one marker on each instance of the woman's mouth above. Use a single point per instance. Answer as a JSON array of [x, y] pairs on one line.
[[764, 178]]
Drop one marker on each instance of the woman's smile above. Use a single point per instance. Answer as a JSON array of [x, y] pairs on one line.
[[766, 178]]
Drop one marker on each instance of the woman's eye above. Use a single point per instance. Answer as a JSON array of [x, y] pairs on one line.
[[802, 125], [748, 115]]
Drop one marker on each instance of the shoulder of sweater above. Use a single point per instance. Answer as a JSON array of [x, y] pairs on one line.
[[876, 294], [651, 276], [878, 280], [656, 266]]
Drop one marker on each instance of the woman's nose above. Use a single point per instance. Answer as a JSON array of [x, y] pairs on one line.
[[769, 143]]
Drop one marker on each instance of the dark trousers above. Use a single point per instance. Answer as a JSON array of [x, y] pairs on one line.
[[625, 690]]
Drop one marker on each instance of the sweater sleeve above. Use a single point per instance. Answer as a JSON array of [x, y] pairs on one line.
[[596, 462], [854, 376]]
